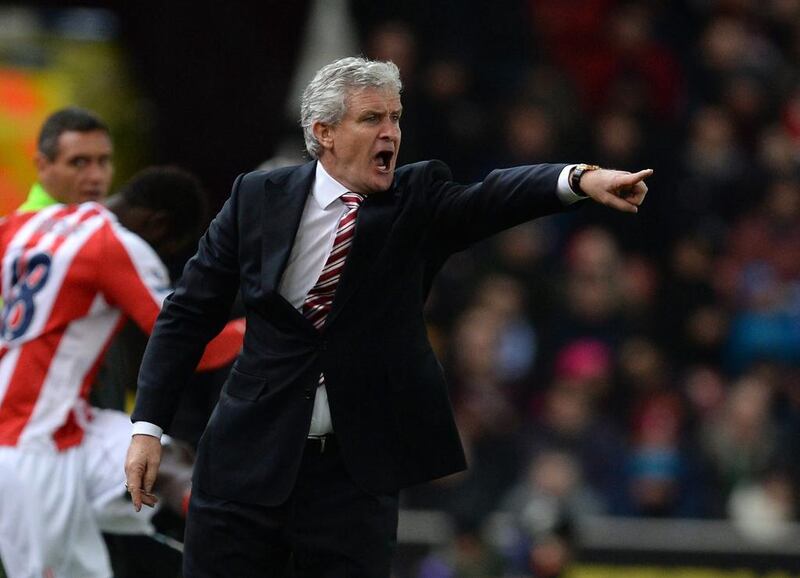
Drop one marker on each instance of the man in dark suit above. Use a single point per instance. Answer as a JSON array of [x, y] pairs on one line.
[[337, 400]]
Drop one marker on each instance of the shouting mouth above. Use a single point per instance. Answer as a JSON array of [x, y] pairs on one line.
[[383, 160]]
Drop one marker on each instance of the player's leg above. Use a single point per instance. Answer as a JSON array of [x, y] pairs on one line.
[[46, 524], [20, 524]]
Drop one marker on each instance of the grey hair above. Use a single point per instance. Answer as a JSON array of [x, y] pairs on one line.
[[325, 98]]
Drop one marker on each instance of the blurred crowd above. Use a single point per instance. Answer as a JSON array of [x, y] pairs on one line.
[[604, 363]]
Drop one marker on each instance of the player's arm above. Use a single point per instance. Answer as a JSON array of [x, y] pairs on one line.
[[134, 279]]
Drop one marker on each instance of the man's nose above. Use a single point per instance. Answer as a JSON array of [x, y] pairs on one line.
[[96, 171], [390, 129]]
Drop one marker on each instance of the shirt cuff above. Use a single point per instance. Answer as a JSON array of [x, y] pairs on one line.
[[146, 428], [565, 193]]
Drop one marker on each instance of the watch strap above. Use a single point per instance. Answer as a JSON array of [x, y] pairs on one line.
[[577, 174]]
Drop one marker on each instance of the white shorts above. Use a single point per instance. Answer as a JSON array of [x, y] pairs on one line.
[[54, 505]]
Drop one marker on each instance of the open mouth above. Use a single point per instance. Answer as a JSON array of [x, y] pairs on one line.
[[384, 160]]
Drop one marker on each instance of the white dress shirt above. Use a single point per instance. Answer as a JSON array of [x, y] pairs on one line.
[[312, 245]]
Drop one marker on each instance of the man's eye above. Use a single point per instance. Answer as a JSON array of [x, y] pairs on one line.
[[79, 163]]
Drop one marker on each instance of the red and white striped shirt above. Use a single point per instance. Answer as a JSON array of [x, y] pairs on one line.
[[70, 277]]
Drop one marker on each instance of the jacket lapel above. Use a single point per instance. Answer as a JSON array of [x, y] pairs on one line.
[[284, 201], [372, 226]]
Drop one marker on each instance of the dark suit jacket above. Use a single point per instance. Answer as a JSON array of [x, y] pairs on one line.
[[387, 395]]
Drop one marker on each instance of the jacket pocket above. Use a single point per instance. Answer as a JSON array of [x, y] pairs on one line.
[[245, 386]]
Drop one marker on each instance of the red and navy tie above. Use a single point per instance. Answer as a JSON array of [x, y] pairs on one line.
[[319, 300]]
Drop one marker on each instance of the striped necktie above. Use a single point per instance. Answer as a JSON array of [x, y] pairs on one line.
[[319, 300]]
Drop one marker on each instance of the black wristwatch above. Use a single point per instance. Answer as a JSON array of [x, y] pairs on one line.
[[575, 178]]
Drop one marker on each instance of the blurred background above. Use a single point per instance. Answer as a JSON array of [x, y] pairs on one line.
[[627, 387]]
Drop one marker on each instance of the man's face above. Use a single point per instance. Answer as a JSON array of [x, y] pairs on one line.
[[361, 150], [81, 170]]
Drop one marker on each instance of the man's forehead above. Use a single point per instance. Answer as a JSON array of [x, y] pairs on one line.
[[73, 142], [372, 97]]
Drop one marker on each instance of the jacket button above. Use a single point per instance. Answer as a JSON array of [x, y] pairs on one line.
[[309, 393]]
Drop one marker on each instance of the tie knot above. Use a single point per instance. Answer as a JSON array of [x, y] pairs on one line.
[[352, 200]]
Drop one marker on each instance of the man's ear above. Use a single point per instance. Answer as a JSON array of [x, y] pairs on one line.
[[165, 243], [158, 226], [323, 133], [40, 161]]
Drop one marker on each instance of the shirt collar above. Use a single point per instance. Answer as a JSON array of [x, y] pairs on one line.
[[326, 188], [37, 199]]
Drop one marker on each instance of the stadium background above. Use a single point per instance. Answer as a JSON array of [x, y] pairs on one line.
[[627, 387]]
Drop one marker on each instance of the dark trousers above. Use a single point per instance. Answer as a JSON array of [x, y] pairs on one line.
[[328, 528]]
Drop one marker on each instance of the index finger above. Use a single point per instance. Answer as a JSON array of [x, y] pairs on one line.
[[633, 178]]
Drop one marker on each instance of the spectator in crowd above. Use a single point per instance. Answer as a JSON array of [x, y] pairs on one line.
[[591, 302], [526, 254], [568, 417], [470, 555], [777, 152], [454, 123], [549, 500], [662, 477], [760, 279], [642, 374], [618, 139], [716, 174], [691, 323], [504, 299], [764, 508], [486, 386], [741, 442]]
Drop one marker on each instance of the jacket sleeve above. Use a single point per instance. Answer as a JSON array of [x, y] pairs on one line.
[[464, 214], [191, 316]]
